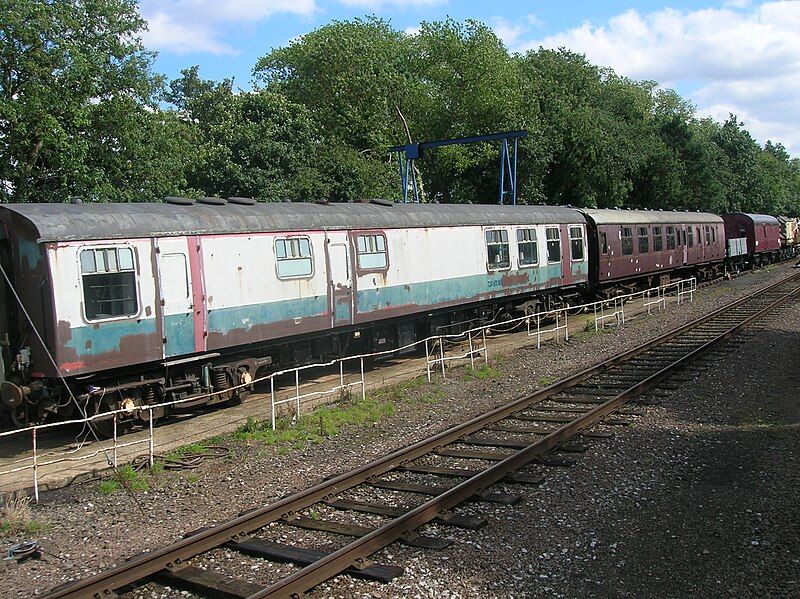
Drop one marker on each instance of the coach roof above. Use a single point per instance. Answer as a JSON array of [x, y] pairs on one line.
[[87, 221], [760, 219], [648, 217]]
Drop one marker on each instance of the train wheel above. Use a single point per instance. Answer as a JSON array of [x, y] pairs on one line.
[[19, 417]]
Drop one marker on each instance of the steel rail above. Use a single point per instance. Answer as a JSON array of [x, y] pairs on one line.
[[359, 550], [174, 555]]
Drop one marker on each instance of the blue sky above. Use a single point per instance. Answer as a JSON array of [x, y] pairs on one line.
[[739, 56]]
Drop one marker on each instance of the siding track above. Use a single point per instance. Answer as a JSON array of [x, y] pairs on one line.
[[530, 429]]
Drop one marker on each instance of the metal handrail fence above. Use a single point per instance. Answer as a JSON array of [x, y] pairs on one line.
[[475, 338]]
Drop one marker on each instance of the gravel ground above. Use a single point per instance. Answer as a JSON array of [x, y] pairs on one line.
[[693, 475]]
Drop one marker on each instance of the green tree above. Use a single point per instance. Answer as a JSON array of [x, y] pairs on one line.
[[256, 144], [465, 83], [76, 95]]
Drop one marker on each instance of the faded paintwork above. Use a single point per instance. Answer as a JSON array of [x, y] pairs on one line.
[[83, 346], [216, 292]]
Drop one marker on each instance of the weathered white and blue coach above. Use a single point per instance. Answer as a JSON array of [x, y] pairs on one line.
[[139, 303]]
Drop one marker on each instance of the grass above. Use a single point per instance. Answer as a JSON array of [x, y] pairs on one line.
[[127, 477], [323, 422], [482, 373], [546, 381], [192, 478], [16, 517], [400, 391], [431, 397]]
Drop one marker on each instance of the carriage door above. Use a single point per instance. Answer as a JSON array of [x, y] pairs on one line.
[[340, 285], [177, 306], [685, 245]]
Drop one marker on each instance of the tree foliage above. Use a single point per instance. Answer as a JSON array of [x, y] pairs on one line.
[[81, 113], [77, 116]]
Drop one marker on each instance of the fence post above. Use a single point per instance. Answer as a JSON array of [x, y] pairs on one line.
[[471, 356], [272, 398], [35, 466], [363, 382], [539, 331], [485, 349], [115, 440], [566, 325], [150, 422], [441, 355], [297, 392], [427, 360]]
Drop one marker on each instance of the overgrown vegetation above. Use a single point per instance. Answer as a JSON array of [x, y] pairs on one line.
[[16, 516], [125, 477], [546, 381], [482, 373], [323, 422], [327, 106]]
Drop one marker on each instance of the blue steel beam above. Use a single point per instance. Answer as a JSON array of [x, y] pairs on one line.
[[409, 153]]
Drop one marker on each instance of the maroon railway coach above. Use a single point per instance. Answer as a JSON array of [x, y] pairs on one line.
[[631, 249], [754, 237]]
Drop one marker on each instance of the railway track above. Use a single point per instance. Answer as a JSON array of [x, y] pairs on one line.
[[525, 431]]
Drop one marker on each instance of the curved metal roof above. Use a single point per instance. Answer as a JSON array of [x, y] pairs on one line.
[[760, 219], [70, 222], [605, 216]]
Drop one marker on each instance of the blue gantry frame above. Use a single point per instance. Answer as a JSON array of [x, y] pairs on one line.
[[408, 154]]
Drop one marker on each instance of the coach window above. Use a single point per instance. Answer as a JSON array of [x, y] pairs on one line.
[[603, 243], [670, 238], [109, 283], [372, 252], [714, 235], [294, 257], [576, 243], [658, 240], [682, 237], [644, 240], [708, 235], [689, 237], [527, 247], [553, 244], [626, 237], [497, 253]]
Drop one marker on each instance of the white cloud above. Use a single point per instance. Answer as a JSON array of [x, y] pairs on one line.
[[507, 31], [183, 26], [375, 5], [744, 61]]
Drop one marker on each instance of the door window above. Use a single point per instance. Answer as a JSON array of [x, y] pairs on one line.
[[626, 238], [553, 244], [576, 242], [644, 240]]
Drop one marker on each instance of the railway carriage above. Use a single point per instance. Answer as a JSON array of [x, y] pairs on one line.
[[753, 239], [636, 248], [142, 303]]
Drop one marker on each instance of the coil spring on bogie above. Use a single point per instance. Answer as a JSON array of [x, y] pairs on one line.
[[219, 378], [149, 395]]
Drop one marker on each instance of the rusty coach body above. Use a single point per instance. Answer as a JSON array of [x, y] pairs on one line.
[[143, 303], [643, 247]]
